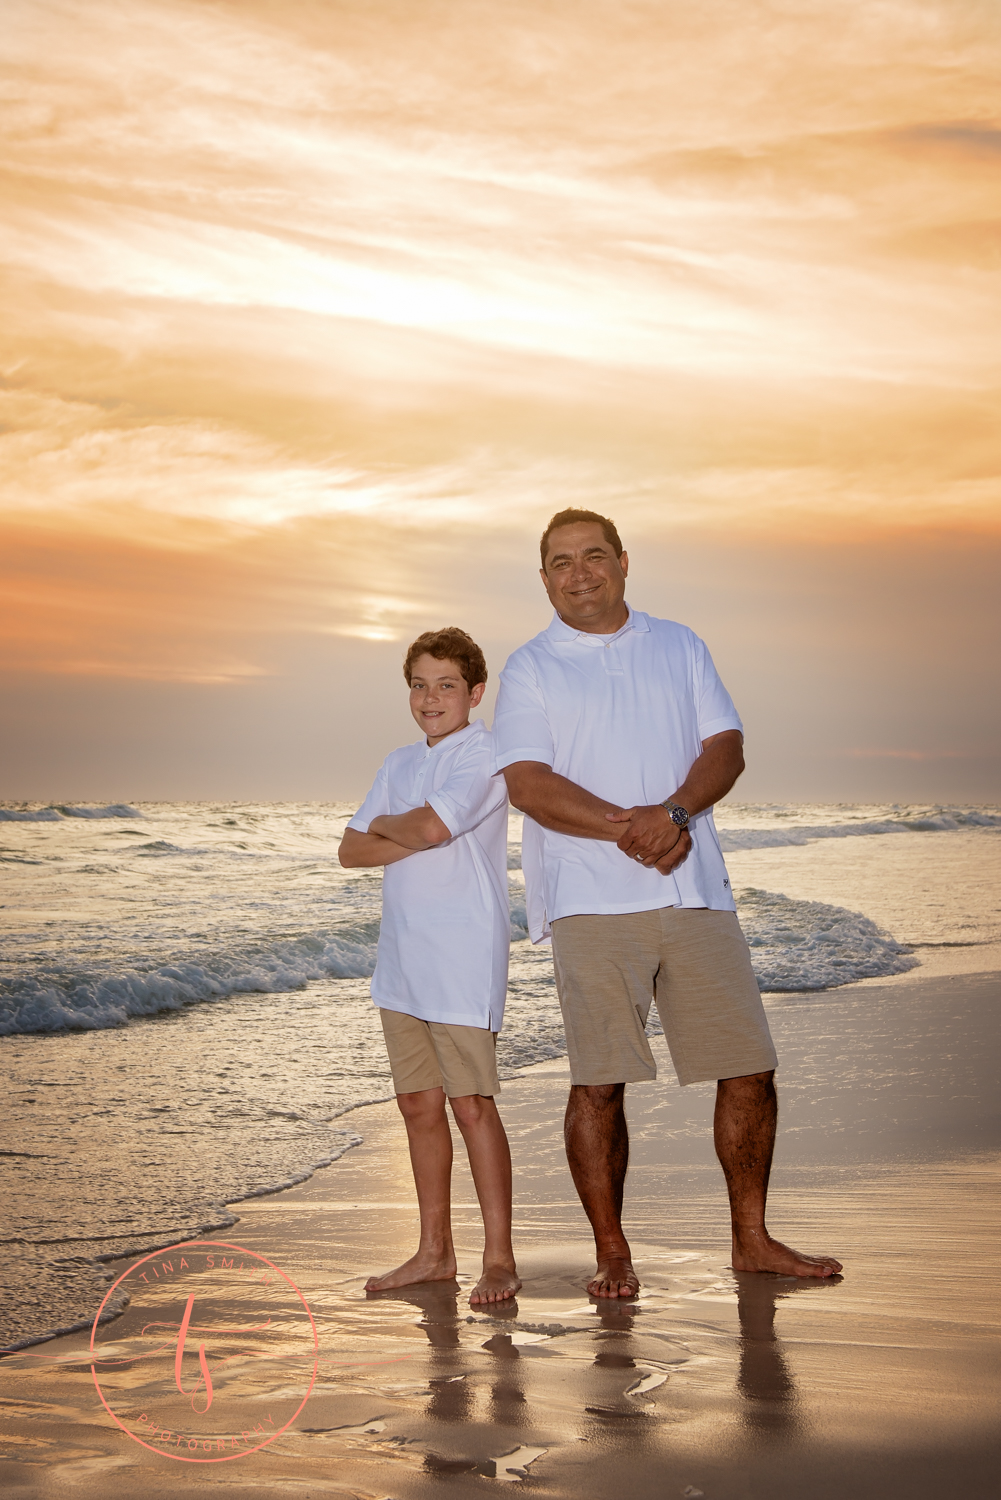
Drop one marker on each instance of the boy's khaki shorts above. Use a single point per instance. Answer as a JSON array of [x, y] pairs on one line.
[[695, 963], [435, 1054]]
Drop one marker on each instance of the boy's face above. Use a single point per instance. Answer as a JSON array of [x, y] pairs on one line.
[[440, 699]]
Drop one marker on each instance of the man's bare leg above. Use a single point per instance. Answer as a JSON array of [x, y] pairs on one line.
[[490, 1163], [597, 1143], [430, 1141], [744, 1132]]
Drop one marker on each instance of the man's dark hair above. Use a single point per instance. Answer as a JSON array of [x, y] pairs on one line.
[[450, 644], [572, 517]]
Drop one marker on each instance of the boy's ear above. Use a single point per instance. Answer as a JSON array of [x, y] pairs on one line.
[[477, 693]]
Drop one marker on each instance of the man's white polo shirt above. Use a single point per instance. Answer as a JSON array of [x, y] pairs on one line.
[[623, 716], [445, 937]]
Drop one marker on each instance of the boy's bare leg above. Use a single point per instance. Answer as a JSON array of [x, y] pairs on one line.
[[430, 1141], [490, 1163], [597, 1143]]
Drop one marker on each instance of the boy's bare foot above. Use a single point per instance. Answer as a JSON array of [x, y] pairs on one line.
[[418, 1268], [755, 1250], [495, 1285], [614, 1277]]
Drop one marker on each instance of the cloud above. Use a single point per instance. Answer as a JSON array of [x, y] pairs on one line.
[[314, 314]]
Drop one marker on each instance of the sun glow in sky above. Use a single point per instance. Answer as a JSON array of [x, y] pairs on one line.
[[314, 313]]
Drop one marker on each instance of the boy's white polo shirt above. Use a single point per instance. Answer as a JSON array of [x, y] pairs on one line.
[[446, 928], [623, 716]]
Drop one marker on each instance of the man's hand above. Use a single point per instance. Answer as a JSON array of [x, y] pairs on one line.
[[650, 835], [652, 838]]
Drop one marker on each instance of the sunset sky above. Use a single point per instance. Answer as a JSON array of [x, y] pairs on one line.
[[314, 312]]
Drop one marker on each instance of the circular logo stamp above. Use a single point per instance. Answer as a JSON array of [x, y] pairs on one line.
[[215, 1356]]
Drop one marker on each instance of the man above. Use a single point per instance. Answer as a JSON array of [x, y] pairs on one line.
[[616, 737]]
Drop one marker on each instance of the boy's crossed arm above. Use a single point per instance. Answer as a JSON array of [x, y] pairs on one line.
[[392, 837]]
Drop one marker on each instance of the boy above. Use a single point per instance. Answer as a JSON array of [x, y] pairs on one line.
[[437, 819]]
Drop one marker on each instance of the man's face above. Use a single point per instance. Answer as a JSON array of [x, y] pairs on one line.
[[440, 699], [584, 579]]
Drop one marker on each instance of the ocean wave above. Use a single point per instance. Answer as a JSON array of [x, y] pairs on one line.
[[113, 810], [808, 945], [30, 815], [519, 920], [733, 839], [795, 945], [83, 1002], [57, 811]]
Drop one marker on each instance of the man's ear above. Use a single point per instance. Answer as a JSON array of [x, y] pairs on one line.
[[624, 564], [542, 575], [476, 696]]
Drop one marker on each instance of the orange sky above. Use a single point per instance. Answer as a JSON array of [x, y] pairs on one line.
[[313, 313]]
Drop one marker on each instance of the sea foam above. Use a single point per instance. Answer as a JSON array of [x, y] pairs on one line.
[[85, 1002], [808, 945], [795, 945]]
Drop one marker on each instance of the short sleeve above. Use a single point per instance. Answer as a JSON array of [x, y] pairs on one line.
[[376, 804], [470, 791], [715, 706], [521, 728]]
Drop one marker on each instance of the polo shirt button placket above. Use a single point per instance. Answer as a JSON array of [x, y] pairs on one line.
[[421, 771]]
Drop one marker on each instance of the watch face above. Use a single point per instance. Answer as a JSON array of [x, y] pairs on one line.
[[679, 816]]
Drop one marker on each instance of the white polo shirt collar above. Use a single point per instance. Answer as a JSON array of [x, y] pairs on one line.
[[563, 634], [453, 739]]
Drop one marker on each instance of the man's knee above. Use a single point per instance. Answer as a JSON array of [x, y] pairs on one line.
[[751, 1086], [597, 1096]]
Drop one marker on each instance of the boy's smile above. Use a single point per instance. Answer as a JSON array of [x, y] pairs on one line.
[[440, 697]]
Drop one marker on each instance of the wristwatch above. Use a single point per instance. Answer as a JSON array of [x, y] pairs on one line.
[[678, 814]]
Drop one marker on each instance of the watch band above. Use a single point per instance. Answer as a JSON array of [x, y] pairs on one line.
[[678, 814]]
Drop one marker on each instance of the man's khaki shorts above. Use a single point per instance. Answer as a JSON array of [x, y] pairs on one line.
[[695, 963], [434, 1054]]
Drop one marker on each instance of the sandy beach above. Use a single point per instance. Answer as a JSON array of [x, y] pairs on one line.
[[883, 1383]]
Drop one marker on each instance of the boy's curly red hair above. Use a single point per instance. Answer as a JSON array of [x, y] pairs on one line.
[[450, 644]]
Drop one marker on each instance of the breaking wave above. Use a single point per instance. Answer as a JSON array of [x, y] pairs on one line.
[[941, 821], [87, 1002], [807, 945], [795, 945], [57, 811]]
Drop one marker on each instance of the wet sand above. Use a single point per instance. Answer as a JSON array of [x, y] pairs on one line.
[[737, 1388]]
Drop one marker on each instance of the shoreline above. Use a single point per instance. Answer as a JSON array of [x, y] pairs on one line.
[[775, 1001], [878, 1384]]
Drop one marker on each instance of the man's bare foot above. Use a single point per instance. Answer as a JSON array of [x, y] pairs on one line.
[[614, 1277], [418, 1268], [755, 1250], [495, 1285]]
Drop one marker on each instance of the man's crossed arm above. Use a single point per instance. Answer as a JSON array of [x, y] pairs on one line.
[[392, 837], [643, 833]]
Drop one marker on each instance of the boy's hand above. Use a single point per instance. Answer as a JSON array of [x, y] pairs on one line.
[[419, 829], [364, 851]]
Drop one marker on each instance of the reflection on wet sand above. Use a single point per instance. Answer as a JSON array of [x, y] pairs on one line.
[[764, 1378], [708, 1382], [452, 1392]]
